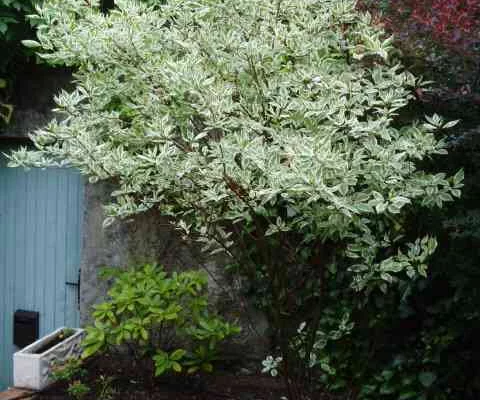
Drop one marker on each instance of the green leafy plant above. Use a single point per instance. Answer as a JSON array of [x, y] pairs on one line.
[[14, 27], [69, 370], [67, 332], [78, 390], [397, 381], [105, 391], [153, 313]]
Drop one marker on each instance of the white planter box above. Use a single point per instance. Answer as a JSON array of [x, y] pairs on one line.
[[32, 371]]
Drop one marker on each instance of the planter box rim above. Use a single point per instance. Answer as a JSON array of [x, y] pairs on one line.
[[31, 347]]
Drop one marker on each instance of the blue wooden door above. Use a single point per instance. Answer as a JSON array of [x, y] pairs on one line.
[[40, 241]]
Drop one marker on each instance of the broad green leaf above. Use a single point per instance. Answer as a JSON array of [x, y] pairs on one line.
[[427, 378]]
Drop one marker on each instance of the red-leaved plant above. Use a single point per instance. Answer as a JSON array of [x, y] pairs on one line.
[[451, 23], [441, 37]]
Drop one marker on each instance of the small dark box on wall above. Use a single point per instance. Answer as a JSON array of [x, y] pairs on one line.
[[25, 327]]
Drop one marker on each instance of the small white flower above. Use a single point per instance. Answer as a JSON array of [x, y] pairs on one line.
[[301, 327], [271, 364]]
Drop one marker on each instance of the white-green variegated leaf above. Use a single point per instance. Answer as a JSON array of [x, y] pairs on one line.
[[214, 111]]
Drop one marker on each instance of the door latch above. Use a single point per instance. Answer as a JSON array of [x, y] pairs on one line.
[[77, 286]]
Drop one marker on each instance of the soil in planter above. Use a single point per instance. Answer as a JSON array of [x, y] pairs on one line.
[[59, 338], [134, 381]]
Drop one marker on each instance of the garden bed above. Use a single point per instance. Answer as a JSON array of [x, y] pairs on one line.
[[134, 381]]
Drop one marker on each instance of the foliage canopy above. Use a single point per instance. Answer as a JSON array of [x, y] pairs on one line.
[[223, 112], [267, 130]]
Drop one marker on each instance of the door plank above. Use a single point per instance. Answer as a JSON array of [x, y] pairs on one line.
[[40, 245]]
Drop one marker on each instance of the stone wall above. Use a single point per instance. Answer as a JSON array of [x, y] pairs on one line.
[[147, 238], [150, 238]]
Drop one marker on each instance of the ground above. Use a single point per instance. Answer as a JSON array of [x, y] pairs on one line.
[[134, 381]]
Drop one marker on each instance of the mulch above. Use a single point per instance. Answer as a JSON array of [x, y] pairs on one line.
[[216, 388], [135, 381]]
